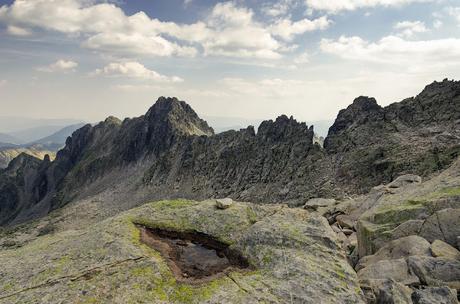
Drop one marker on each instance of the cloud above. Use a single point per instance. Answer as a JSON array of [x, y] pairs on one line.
[[59, 66], [287, 29], [270, 88], [18, 31], [454, 12], [133, 70], [136, 44], [232, 31], [302, 58], [336, 6], [278, 8], [228, 29], [437, 24], [416, 56], [409, 28]]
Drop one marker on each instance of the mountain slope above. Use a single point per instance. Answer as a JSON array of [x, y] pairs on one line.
[[170, 152]]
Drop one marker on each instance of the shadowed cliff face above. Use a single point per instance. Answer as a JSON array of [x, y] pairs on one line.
[[371, 145], [171, 152]]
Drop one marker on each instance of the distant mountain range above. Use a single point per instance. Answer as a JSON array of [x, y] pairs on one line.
[[7, 139], [11, 146], [12, 124]]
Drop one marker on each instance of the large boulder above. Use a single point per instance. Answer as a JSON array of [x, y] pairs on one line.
[[291, 256], [315, 203], [397, 249], [436, 271], [405, 180], [442, 225], [396, 270], [432, 295], [385, 291]]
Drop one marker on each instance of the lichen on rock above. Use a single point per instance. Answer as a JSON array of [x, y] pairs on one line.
[[294, 257]]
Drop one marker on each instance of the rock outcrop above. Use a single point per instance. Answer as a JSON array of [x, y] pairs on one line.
[[372, 145], [293, 257]]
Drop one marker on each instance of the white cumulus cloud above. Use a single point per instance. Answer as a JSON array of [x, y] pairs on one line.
[[335, 6], [454, 12], [228, 30], [134, 70], [17, 31], [410, 28], [287, 29], [59, 66], [415, 56]]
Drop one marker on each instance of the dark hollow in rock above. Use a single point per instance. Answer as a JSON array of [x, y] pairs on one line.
[[193, 257]]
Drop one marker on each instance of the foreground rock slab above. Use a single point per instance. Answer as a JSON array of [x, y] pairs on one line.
[[294, 258]]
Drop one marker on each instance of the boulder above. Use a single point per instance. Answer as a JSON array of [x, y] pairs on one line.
[[401, 248], [442, 225], [443, 250], [345, 221], [385, 291], [405, 180], [435, 295], [396, 270], [436, 271], [314, 203], [347, 231], [224, 203]]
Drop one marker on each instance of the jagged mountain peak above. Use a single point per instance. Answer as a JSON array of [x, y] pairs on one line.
[[437, 87], [285, 127], [362, 109], [364, 103], [177, 114]]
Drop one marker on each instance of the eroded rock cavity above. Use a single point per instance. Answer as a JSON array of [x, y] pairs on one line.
[[193, 257]]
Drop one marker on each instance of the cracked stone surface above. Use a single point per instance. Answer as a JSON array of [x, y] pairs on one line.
[[430, 209], [295, 255]]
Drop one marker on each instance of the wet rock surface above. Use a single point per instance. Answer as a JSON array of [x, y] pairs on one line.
[[193, 257]]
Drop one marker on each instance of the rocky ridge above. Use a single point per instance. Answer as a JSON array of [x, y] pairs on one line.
[[170, 152]]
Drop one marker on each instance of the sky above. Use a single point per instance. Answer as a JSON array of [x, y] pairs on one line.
[[252, 59]]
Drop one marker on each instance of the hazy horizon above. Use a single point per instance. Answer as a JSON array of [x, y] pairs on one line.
[[253, 59]]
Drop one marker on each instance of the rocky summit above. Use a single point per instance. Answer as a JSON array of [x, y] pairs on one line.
[[160, 209]]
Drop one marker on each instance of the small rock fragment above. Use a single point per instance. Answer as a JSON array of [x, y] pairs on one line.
[[314, 203], [345, 221], [347, 231], [224, 203]]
